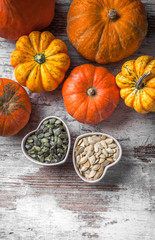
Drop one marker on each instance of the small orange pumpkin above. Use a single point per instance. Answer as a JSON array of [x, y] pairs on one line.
[[40, 61], [90, 94], [137, 83], [106, 30], [15, 107]]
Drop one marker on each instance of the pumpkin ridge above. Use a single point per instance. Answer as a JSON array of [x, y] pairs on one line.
[[20, 103], [73, 18], [88, 80], [137, 28], [129, 4], [144, 89], [150, 69], [80, 106], [30, 72], [14, 94], [142, 106], [5, 94], [85, 32], [134, 66], [100, 115], [32, 43], [50, 74], [21, 41], [99, 43], [110, 102], [99, 3], [119, 38], [13, 118]]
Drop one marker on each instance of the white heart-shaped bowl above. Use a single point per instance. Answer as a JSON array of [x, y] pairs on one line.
[[106, 168], [30, 133]]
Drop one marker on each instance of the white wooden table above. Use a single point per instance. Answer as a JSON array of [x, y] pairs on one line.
[[43, 203]]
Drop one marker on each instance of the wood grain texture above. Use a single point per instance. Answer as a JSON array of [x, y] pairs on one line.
[[43, 203]]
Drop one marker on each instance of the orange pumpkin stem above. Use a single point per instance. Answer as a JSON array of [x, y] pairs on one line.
[[112, 14], [139, 84], [91, 92]]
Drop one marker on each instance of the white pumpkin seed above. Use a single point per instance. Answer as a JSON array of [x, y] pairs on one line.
[[105, 163], [96, 148], [105, 152], [82, 144], [109, 140], [80, 150], [87, 164], [110, 160], [92, 174], [83, 169], [99, 173], [92, 159], [96, 167], [103, 143], [116, 155], [80, 141], [109, 150], [101, 160], [103, 156], [103, 137], [89, 153], [99, 153], [112, 145], [83, 160], [78, 159]]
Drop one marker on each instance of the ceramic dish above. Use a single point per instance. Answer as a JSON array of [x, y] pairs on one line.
[[107, 167], [30, 133]]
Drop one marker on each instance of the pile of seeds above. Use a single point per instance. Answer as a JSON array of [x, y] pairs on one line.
[[93, 154], [49, 143]]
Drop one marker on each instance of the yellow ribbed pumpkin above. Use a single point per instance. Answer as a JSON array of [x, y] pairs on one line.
[[40, 61], [137, 83]]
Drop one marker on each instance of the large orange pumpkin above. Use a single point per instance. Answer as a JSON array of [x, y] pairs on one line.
[[106, 30], [137, 83], [90, 94], [15, 107], [40, 61], [19, 17]]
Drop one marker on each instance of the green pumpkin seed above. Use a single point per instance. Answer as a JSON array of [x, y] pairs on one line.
[[56, 131], [37, 142], [41, 158], [44, 140], [45, 149], [55, 139], [37, 148], [63, 135], [45, 130], [45, 122], [46, 144], [52, 120], [39, 131], [47, 134], [30, 140], [41, 127], [50, 131], [41, 135], [59, 141], [57, 122], [28, 147]]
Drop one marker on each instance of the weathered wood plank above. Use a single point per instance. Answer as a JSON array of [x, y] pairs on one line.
[[44, 203]]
